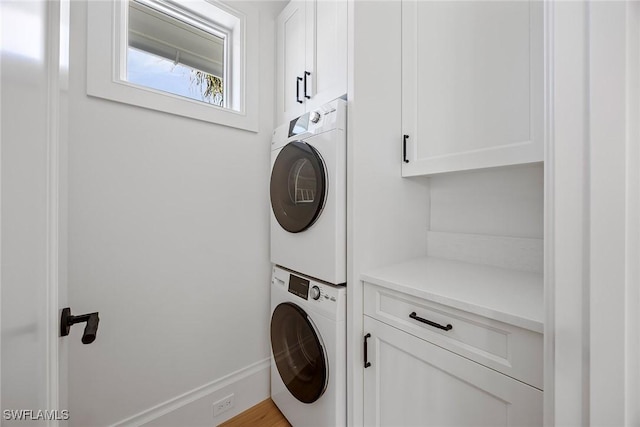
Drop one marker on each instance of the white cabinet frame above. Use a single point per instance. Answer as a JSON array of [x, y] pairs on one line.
[[575, 246]]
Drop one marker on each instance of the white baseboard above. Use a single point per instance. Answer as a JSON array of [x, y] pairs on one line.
[[250, 385], [516, 253]]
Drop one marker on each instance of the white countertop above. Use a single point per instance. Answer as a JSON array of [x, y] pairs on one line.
[[510, 296]]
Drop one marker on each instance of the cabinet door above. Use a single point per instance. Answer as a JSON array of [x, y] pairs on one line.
[[290, 57], [472, 84], [326, 53], [412, 382]]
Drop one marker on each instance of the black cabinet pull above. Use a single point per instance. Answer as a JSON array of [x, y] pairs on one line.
[[90, 330], [414, 316], [404, 148], [298, 80], [306, 73], [366, 357]]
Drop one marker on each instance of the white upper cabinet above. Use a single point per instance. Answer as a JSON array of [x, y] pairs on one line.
[[311, 56], [290, 61], [472, 85]]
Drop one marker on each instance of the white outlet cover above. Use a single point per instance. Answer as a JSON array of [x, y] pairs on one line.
[[223, 405]]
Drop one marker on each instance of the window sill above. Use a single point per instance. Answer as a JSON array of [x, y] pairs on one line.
[[103, 81]]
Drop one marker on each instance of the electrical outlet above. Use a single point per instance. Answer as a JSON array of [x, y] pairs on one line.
[[223, 405]]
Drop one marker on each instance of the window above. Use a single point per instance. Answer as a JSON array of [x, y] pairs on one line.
[[196, 59], [170, 51]]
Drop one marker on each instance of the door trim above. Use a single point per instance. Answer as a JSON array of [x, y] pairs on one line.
[[57, 74], [548, 216], [56, 25], [591, 205]]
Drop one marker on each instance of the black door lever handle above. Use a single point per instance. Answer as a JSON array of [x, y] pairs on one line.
[[90, 330]]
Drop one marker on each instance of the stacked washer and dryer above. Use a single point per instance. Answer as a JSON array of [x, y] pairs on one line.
[[308, 250]]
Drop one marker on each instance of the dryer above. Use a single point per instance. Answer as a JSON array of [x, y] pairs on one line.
[[308, 193], [308, 350]]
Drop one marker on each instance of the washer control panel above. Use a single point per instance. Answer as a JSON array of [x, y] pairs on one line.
[[299, 286], [315, 292], [322, 296], [326, 295]]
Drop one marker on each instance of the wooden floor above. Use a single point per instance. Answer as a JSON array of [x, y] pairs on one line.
[[264, 414]]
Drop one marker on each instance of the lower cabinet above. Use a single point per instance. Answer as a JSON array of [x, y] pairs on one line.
[[412, 382]]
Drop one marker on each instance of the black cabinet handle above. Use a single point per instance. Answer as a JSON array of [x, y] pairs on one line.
[[366, 357], [298, 80], [90, 330], [306, 73], [414, 316], [404, 148]]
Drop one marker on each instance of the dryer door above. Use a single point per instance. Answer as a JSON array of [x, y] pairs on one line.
[[298, 186], [298, 353]]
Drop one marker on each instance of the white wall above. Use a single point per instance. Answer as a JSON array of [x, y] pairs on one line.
[[387, 214], [498, 202], [168, 240], [489, 216], [632, 297]]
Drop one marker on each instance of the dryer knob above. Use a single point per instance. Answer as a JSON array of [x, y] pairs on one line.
[[315, 117], [315, 292]]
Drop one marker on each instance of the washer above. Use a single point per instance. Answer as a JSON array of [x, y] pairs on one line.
[[308, 350], [308, 194]]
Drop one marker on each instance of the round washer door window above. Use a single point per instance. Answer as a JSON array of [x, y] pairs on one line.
[[298, 353], [298, 186]]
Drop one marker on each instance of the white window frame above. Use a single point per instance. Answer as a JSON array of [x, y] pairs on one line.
[[106, 66], [229, 31]]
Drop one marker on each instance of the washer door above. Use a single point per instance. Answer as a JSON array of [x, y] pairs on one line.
[[298, 186], [298, 353]]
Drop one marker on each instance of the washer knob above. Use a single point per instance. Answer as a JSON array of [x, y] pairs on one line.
[[315, 117], [315, 292]]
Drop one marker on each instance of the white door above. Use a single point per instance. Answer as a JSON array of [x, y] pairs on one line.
[[30, 287], [412, 382]]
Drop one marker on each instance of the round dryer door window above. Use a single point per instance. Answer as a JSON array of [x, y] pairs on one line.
[[298, 353], [298, 186]]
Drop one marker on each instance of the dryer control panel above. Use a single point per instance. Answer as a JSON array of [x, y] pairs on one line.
[[330, 116], [313, 120]]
